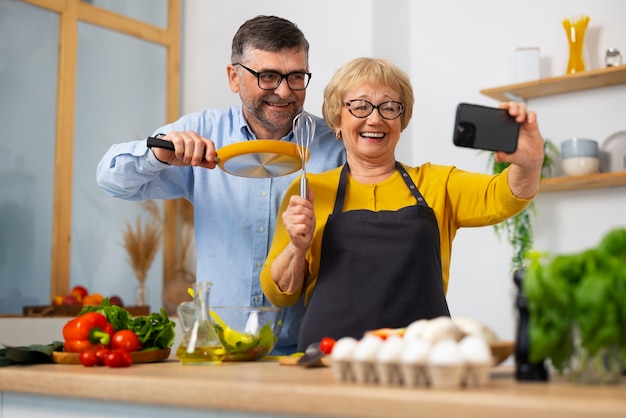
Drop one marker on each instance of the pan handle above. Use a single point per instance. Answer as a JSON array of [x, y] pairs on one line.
[[156, 142]]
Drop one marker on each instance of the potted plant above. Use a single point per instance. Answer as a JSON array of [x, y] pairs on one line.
[[577, 310], [518, 229]]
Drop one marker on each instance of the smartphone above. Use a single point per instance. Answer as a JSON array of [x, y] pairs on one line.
[[486, 128]]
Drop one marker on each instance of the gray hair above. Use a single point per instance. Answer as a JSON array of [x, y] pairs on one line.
[[267, 33]]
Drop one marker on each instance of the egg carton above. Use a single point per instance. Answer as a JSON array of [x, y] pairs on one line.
[[411, 375]]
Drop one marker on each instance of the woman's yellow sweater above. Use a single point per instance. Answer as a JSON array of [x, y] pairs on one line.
[[458, 199]]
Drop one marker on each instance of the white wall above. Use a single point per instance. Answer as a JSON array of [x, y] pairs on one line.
[[452, 49]]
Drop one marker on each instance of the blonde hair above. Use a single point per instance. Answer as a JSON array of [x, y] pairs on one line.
[[373, 71]]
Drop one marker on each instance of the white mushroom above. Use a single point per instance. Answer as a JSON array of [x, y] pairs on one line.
[[441, 328], [416, 329], [470, 326]]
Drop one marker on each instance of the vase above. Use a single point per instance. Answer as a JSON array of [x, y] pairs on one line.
[[604, 367], [142, 294], [575, 32]]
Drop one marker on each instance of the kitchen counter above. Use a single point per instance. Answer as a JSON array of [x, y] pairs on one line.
[[269, 389]]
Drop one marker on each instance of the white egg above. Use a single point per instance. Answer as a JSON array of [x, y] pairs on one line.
[[446, 353], [390, 349], [344, 349], [475, 350], [367, 348], [415, 351]]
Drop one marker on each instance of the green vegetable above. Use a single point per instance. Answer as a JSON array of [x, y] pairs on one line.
[[578, 299], [116, 315], [31, 354], [154, 331]]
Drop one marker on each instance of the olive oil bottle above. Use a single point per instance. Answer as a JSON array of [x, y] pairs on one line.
[[200, 344]]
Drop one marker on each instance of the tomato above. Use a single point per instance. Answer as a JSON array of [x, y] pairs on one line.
[[88, 358], [327, 344], [101, 355], [118, 358], [126, 340], [79, 292]]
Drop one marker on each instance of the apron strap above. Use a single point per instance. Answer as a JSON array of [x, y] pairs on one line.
[[343, 180]]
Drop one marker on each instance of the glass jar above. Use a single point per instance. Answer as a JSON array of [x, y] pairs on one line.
[[613, 57]]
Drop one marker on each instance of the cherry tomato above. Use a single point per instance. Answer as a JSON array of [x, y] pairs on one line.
[[126, 340], [88, 358], [101, 355], [118, 358], [327, 344]]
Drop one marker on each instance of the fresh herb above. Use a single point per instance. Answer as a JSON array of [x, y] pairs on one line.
[[116, 315], [578, 296], [154, 330]]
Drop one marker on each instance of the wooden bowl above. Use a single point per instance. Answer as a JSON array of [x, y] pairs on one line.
[[501, 350]]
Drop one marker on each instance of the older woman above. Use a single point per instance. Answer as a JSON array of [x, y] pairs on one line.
[[371, 246]]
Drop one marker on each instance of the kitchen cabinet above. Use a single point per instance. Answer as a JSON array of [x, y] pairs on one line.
[[592, 79]]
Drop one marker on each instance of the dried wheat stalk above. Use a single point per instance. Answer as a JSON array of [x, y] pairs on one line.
[[142, 243]]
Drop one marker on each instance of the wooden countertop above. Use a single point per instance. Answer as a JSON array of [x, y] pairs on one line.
[[266, 387]]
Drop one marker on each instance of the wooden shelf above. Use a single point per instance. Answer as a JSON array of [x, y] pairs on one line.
[[592, 181], [601, 77], [570, 83]]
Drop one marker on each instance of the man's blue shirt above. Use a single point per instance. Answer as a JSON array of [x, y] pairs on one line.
[[234, 217]]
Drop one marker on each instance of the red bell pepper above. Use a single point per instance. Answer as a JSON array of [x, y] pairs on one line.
[[87, 331]]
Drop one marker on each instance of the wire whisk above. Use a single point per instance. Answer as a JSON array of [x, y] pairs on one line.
[[303, 131]]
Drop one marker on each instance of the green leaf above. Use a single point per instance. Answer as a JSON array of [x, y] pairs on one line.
[[31, 354]]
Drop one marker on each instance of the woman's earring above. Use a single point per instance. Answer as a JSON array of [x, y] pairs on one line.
[[338, 134]]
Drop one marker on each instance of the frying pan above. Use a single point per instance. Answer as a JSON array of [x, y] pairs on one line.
[[261, 158]]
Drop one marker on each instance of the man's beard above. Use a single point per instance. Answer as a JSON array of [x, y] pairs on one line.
[[280, 122]]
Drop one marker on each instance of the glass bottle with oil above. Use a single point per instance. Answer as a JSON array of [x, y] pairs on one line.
[[200, 344]]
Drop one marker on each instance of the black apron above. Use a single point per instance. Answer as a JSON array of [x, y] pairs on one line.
[[377, 270]]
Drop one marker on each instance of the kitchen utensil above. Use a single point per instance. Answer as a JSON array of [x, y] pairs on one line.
[[261, 158], [303, 131], [312, 356]]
